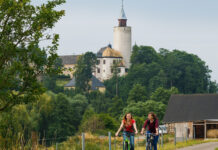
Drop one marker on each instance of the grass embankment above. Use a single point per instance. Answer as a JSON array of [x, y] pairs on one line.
[[101, 143]]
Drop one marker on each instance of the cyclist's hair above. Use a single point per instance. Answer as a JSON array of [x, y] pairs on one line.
[[153, 115], [125, 119]]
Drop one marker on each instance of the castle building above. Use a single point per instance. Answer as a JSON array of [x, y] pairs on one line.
[[120, 53], [108, 58], [123, 38]]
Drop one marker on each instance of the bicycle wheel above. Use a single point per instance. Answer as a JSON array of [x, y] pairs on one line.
[[125, 145], [148, 147]]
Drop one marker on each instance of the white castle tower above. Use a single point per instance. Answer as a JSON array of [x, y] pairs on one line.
[[123, 38]]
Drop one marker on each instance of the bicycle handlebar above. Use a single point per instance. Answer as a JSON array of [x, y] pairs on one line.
[[153, 134]]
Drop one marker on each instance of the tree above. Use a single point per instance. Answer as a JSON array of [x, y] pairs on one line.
[[144, 54], [99, 101], [63, 118], [137, 93], [79, 104], [159, 80], [142, 109], [163, 95], [50, 80], [213, 87], [23, 26], [186, 71], [116, 107], [83, 71]]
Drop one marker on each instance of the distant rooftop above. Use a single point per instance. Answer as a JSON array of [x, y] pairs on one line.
[[108, 52], [69, 59], [95, 83], [192, 107]]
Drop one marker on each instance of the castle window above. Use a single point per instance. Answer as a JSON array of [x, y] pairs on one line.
[[104, 61], [114, 61], [119, 70], [126, 69], [98, 62], [99, 70]]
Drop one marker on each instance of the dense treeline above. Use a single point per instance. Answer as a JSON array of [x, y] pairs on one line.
[[187, 72]]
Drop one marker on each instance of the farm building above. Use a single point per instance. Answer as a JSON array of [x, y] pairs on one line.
[[194, 115]]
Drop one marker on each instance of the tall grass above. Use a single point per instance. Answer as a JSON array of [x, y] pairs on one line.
[[101, 143]]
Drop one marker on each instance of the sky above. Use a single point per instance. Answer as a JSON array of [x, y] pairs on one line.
[[188, 25]]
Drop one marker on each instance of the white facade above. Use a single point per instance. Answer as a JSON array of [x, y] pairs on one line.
[[123, 43], [104, 69]]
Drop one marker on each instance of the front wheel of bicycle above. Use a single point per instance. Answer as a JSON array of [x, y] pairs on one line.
[[126, 146]]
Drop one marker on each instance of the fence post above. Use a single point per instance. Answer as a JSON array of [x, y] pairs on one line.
[[194, 131], [83, 141], [186, 134], [162, 138], [175, 135], [159, 137], [115, 143], [109, 135], [56, 146], [182, 136], [138, 141]]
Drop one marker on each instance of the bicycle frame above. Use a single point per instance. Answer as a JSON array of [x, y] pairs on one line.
[[127, 142], [150, 140]]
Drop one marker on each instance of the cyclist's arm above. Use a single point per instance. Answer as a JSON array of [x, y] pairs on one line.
[[121, 126], [156, 127], [144, 126], [157, 131], [135, 128]]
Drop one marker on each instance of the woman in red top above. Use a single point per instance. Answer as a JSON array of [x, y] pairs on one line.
[[129, 125]]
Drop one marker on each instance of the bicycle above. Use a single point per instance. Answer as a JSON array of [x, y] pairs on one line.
[[150, 140], [127, 145]]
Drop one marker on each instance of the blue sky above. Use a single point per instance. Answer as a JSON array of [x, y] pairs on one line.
[[189, 25]]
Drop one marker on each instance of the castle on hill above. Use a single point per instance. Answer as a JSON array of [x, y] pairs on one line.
[[108, 56]]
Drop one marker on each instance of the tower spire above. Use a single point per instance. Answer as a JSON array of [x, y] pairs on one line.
[[122, 20]]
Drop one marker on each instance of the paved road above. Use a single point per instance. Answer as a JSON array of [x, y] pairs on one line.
[[205, 146]]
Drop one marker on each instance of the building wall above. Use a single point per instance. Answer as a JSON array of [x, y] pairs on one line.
[[181, 129], [123, 42], [101, 89], [105, 69], [67, 68], [69, 88]]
